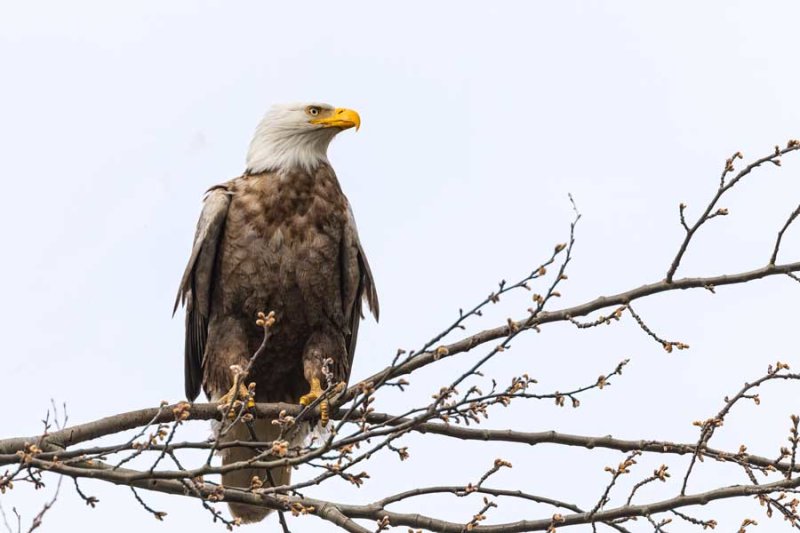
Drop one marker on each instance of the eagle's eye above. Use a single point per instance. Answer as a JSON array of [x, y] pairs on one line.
[[313, 110]]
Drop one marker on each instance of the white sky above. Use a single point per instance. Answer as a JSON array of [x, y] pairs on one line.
[[478, 119]]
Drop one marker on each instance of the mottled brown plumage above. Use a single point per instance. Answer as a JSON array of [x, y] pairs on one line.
[[281, 240], [286, 244]]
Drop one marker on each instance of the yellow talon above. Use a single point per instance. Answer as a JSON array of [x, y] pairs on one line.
[[229, 399], [315, 393], [323, 412]]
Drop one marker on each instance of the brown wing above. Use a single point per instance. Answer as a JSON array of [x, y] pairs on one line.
[[357, 285], [197, 283]]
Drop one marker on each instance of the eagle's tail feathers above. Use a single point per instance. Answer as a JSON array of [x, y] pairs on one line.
[[265, 431]]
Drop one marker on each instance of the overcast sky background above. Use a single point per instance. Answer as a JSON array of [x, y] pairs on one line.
[[478, 120]]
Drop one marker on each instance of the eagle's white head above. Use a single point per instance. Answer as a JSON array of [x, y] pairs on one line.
[[297, 136]]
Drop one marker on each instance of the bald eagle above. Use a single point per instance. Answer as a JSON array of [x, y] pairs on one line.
[[281, 237]]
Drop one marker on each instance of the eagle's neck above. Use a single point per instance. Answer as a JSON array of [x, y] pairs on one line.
[[281, 150]]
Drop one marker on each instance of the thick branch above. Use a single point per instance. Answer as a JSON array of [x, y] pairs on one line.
[[133, 419], [468, 343], [344, 514]]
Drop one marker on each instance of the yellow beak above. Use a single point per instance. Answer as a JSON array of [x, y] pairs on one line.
[[341, 118]]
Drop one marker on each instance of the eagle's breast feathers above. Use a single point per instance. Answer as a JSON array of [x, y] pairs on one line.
[[272, 242]]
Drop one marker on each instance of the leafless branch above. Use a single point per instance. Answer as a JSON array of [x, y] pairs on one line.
[[466, 399]]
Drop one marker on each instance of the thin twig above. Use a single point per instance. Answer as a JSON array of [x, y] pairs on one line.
[[792, 217]]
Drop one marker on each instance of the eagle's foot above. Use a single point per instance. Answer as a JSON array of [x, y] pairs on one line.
[[232, 400], [315, 394]]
